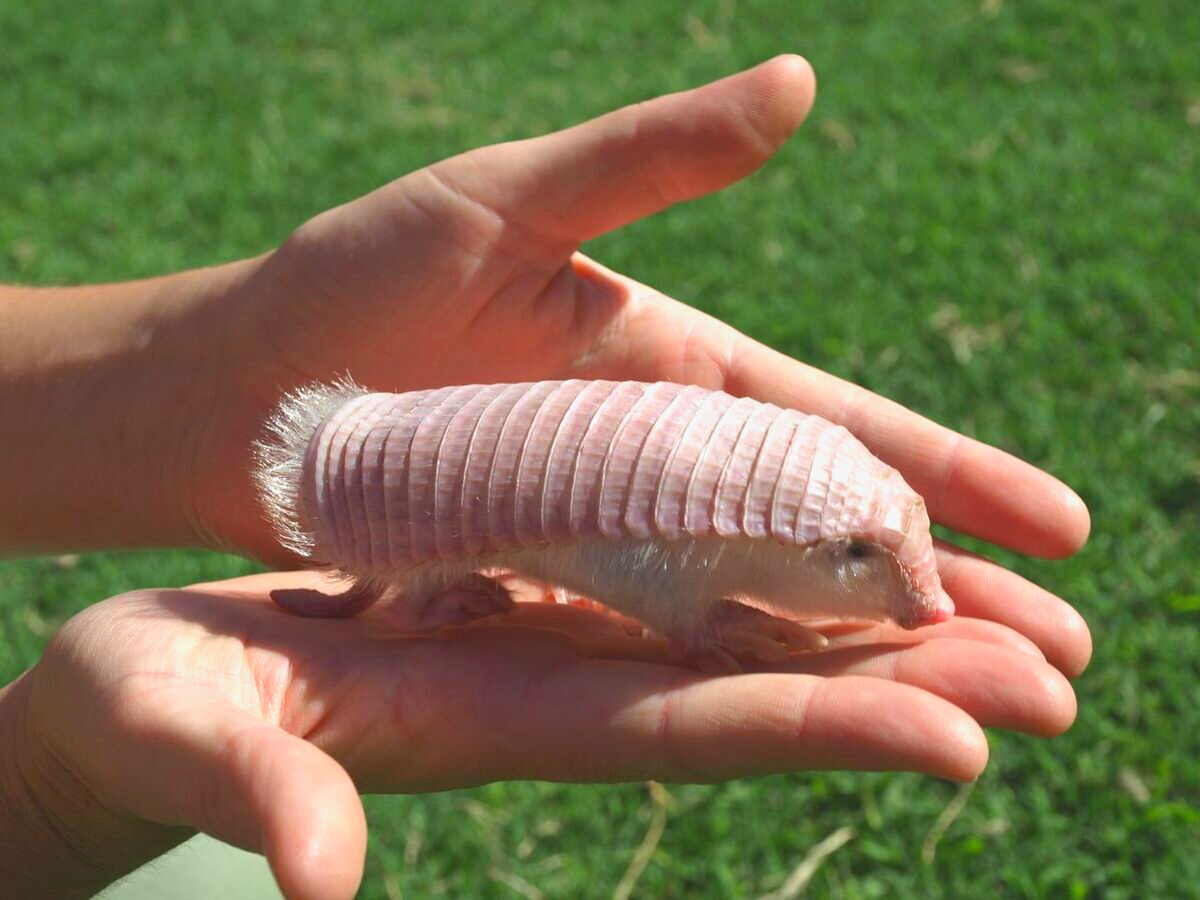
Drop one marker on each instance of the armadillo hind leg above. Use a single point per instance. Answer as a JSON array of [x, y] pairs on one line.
[[473, 597], [317, 605]]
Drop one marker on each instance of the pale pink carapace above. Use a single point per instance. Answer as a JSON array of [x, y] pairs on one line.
[[662, 501]]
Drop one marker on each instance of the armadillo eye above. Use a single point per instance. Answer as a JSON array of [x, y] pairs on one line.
[[857, 550]]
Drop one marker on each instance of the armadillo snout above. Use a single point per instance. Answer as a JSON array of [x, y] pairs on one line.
[[926, 609]]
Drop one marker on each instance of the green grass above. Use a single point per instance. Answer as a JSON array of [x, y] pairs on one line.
[[991, 216]]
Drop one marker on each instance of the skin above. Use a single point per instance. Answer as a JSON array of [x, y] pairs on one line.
[[166, 381]]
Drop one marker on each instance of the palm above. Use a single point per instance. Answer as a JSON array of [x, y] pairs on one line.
[[212, 712]]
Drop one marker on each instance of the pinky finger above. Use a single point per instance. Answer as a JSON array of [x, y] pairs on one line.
[[620, 721]]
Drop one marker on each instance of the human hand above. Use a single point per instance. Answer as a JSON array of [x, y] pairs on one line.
[[162, 711], [467, 271]]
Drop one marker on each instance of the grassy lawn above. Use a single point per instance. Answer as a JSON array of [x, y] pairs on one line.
[[992, 216]]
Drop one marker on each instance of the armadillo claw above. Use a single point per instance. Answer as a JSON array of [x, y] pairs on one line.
[[738, 625]]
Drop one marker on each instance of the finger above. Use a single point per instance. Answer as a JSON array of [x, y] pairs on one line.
[[707, 729], [551, 715], [311, 822], [581, 182], [202, 763], [996, 686], [959, 627], [984, 590], [967, 485]]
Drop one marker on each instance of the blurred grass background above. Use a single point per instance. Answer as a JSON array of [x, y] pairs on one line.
[[992, 216]]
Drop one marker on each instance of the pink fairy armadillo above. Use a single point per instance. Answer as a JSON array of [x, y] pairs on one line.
[[679, 506]]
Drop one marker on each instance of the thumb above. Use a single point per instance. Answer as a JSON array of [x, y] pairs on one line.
[[300, 808], [581, 182], [254, 785]]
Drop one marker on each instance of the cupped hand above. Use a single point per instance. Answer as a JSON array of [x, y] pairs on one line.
[[209, 708], [467, 271]]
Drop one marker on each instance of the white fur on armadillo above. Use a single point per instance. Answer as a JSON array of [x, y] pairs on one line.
[[375, 484]]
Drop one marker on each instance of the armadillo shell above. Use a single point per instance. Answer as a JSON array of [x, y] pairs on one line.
[[393, 480]]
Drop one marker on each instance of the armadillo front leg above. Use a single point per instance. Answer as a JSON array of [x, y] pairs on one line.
[[743, 629], [733, 630]]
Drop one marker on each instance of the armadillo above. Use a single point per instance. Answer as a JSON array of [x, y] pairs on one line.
[[711, 519]]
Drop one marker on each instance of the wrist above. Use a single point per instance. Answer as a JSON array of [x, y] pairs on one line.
[[56, 838], [110, 388], [221, 501]]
